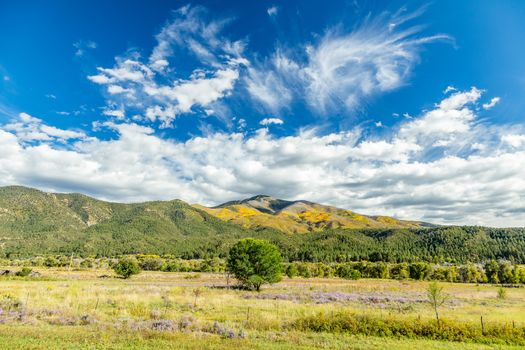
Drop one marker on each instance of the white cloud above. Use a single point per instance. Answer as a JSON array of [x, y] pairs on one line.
[[513, 140], [117, 113], [477, 177], [30, 129], [164, 114], [117, 89], [272, 11], [156, 90], [460, 99], [268, 88], [82, 46], [241, 124], [342, 69], [197, 91], [492, 103], [60, 133], [449, 89], [451, 116], [339, 70], [268, 121]]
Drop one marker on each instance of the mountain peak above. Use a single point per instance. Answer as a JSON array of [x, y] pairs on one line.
[[299, 216]]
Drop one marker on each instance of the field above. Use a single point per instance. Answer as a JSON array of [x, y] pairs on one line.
[[91, 309]]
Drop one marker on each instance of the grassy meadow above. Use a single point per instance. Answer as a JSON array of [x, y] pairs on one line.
[[91, 309]]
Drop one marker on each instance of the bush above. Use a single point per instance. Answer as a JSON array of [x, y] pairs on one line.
[[346, 271], [471, 274], [419, 270], [492, 271], [502, 293], [291, 271], [152, 264], [127, 267], [400, 271], [255, 262], [26, 271]]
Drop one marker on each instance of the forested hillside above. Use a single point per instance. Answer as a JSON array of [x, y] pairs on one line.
[[38, 223]]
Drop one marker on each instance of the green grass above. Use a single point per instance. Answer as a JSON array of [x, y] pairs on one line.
[[78, 310], [23, 337]]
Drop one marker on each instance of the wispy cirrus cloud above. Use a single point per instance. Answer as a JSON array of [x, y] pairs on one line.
[[82, 46], [342, 69]]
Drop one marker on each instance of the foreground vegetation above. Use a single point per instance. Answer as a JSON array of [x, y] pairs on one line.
[[83, 309]]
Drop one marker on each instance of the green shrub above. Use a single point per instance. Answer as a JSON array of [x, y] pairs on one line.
[[152, 264], [291, 271], [127, 267], [24, 272], [419, 270], [346, 271], [171, 266], [502, 293], [400, 271]]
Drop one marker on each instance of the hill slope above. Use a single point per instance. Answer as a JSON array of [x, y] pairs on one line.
[[35, 222], [299, 216]]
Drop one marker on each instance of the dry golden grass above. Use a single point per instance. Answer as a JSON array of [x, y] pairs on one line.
[[83, 300]]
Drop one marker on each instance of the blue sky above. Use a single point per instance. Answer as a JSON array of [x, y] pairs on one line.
[[392, 108]]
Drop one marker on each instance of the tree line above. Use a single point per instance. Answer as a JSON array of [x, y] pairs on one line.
[[490, 271]]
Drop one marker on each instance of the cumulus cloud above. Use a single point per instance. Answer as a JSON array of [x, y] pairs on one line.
[[154, 89], [513, 140], [449, 89], [494, 101], [269, 121], [468, 182], [118, 113], [30, 129], [451, 116]]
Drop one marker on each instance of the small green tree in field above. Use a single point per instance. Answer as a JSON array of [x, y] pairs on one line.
[[255, 262], [436, 298], [502, 293], [127, 267]]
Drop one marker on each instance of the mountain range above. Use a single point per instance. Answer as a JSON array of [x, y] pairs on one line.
[[35, 223]]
